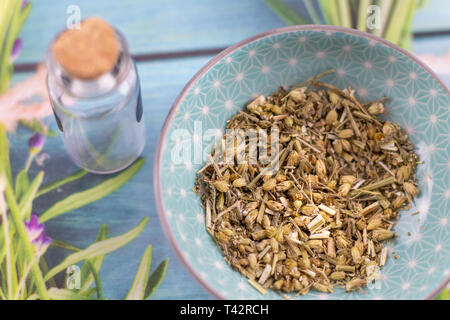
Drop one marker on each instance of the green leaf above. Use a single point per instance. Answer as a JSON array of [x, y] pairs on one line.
[[24, 13], [422, 3], [63, 245], [86, 277], [98, 283], [65, 294], [44, 268], [137, 290], [287, 14], [26, 203], [37, 126], [156, 278], [98, 192], [4, 153], [330, 10], [312, 12], [22, 184], [444, 295], [7, 45], [362, 14], [56, 184], [397, 22], [6, 15], [28, 251], [385, 13], [344, 13], [97, 249], [406, 37]]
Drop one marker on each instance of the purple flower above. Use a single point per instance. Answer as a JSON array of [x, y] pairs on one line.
[[34, 228], [17, 46], [36, 143], [41, 243], [24, 4], [37, 234]]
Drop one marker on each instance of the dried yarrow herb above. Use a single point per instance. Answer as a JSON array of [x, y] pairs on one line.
[[318, 213]]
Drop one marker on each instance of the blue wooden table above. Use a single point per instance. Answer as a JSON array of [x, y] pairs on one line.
[[178, 37]]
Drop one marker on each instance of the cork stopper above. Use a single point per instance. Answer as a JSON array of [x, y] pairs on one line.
[[88, 52]]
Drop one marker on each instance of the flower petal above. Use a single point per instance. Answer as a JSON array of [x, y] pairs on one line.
[[36, 143], [17, 46]]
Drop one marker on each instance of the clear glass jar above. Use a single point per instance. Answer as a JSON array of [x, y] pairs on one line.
[[101, 120]]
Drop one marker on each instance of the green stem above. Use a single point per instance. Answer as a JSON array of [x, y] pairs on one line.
[[29, 162], [406, 37], [330, 10], [12, 32], [286, 13], [24, 278], [362, 14], [7, 12], [56, 184], [98, 283], [28, 247], [344, 13], [385, 8], [312, 12], [9, 269], [397, 22]]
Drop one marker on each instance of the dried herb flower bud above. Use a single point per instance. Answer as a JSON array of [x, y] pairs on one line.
[[293, 158], [298, 204], [346, 133], [331, 117], [382, 234], [289, 121], [399, 201], [273, 205], [347, 179], [297, 95], [283, 186], [337, 275], [309, 209], [334, 98], [276, 109], [239, 183], [337, 145], [388, 128], [221, 185], [376, 108], [269, 184], [344, 189], [253, 106], [356, 255], [410, 189], [321, 168]]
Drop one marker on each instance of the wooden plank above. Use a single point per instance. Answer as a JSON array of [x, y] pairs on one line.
[[154, 26], [439, 45], [435, 16], [161, 25]]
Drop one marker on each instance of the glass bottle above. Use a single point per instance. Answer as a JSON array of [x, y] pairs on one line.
[[101, 119]]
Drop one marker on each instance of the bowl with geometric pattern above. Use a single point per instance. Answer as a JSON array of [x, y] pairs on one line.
[[375, 68]]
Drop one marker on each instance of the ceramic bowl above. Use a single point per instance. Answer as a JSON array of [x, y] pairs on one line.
[[418, 101]]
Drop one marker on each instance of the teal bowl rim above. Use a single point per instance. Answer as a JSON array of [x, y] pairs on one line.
[[206, 68]]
